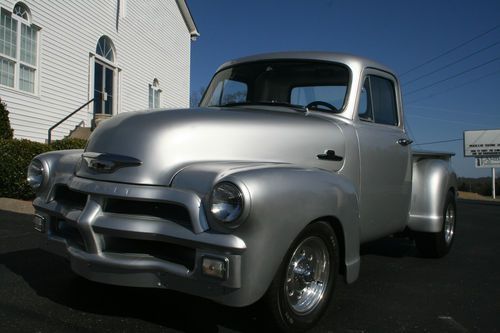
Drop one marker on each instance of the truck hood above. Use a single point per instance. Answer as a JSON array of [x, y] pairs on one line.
[[150, 147]]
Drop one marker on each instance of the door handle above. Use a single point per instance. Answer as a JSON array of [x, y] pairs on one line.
[[404, 142], [330, 156]]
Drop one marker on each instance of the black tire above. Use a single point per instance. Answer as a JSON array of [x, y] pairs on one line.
[[303, 315], [438, 244]]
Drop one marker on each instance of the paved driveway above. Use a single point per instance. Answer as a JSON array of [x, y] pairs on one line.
[[397, 290]]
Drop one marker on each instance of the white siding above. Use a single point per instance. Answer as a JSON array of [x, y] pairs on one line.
[[151, 41]]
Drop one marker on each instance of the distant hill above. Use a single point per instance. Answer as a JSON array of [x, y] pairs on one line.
[[478, 185]]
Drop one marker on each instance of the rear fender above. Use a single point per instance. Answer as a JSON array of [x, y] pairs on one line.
[[432, 179]]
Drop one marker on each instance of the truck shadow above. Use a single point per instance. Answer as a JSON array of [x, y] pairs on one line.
[[50, 277], [394, 247]]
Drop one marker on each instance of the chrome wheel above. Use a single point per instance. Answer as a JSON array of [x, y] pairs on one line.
[[449, 224], [307, 275], [304, 283]]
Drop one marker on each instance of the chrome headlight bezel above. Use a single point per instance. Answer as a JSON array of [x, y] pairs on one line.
[[228, 203], [37, 174]]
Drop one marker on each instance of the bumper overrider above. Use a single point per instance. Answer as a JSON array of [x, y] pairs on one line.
[[140, 236]]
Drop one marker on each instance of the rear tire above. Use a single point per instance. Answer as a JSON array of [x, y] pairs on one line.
[[304, 283], [438, 244]]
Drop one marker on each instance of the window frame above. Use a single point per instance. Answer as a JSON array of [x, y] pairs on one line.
[[397, 97], [117, 70], [18, 63]]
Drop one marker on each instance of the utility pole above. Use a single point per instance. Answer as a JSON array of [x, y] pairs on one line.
[[493, 177]]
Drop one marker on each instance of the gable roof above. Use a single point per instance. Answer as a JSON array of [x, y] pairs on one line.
[[188, 18]]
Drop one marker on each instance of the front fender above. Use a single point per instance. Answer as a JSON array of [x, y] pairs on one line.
[[283, 199], [60, 165]]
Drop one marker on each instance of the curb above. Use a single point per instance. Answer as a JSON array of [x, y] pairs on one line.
[[16, 206]]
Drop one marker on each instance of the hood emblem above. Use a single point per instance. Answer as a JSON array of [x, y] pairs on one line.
[[107, 163]]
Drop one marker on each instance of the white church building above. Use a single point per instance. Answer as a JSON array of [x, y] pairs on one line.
[[116, 55]]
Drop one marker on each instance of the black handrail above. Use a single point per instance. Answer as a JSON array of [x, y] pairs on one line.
[[49, 140]]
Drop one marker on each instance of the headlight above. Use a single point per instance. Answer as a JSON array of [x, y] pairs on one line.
[[226, 202], [35, 174]]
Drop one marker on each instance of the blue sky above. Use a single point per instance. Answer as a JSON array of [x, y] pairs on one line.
[[399, 34]]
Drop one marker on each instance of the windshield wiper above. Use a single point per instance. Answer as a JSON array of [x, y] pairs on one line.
[[285, 104]]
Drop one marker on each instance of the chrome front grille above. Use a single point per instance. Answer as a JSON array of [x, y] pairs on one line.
[[69, 198], [65, 229], [149, 224], [160, 210]]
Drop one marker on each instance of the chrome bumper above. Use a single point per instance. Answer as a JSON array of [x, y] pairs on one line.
[[121, 234]]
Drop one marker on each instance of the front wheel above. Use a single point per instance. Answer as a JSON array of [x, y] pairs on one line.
[[301, 289], [438, 244]]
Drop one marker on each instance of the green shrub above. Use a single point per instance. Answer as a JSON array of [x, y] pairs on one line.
[[6, 131], [16, 155], [68, 143]]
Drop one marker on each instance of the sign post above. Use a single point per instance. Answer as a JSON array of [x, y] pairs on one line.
[[485, 146], [494, 178], [489, 162]]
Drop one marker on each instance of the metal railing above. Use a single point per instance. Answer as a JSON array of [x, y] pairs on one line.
[[49, 140]]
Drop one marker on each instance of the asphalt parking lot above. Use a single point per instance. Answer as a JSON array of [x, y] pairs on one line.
[[397, 290]]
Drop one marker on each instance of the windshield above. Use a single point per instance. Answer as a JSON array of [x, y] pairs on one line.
[[312, 84]]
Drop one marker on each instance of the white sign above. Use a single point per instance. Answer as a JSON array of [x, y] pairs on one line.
[[488, 162], [482, 143]]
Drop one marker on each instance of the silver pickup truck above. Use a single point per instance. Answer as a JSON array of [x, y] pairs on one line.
[[266, 190]]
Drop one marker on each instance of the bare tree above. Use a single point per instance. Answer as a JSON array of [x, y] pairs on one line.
[[196, 96]]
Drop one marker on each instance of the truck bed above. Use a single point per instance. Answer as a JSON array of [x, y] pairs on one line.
[[424, 154]]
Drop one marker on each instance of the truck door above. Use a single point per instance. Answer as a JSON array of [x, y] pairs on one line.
[[385, 157]]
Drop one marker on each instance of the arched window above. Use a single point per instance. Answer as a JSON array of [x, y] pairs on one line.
[[18, 49], [21, 10], [154, 94], [105, 48]]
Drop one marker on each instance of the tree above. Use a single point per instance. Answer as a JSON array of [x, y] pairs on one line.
[[6, 131], [196, 96]]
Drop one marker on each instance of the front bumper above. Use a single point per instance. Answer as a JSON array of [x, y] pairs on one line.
[[140, 236]]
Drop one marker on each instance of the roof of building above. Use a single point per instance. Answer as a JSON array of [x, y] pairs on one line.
[[188, 18]]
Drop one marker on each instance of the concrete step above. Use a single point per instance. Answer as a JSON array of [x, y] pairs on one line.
[[80, 133]]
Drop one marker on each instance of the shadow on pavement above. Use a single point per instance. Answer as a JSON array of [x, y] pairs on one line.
[[50, 277], [394, 247], [16, 232]]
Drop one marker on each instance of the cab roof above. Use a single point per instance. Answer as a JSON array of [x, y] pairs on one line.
[[342, 58]]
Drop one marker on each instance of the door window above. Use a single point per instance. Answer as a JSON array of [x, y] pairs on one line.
[[104, 77], [103, 88], [98, 74], [365, 111], [378, 101]]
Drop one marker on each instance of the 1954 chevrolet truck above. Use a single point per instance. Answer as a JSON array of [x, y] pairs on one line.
[[266, 190]]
